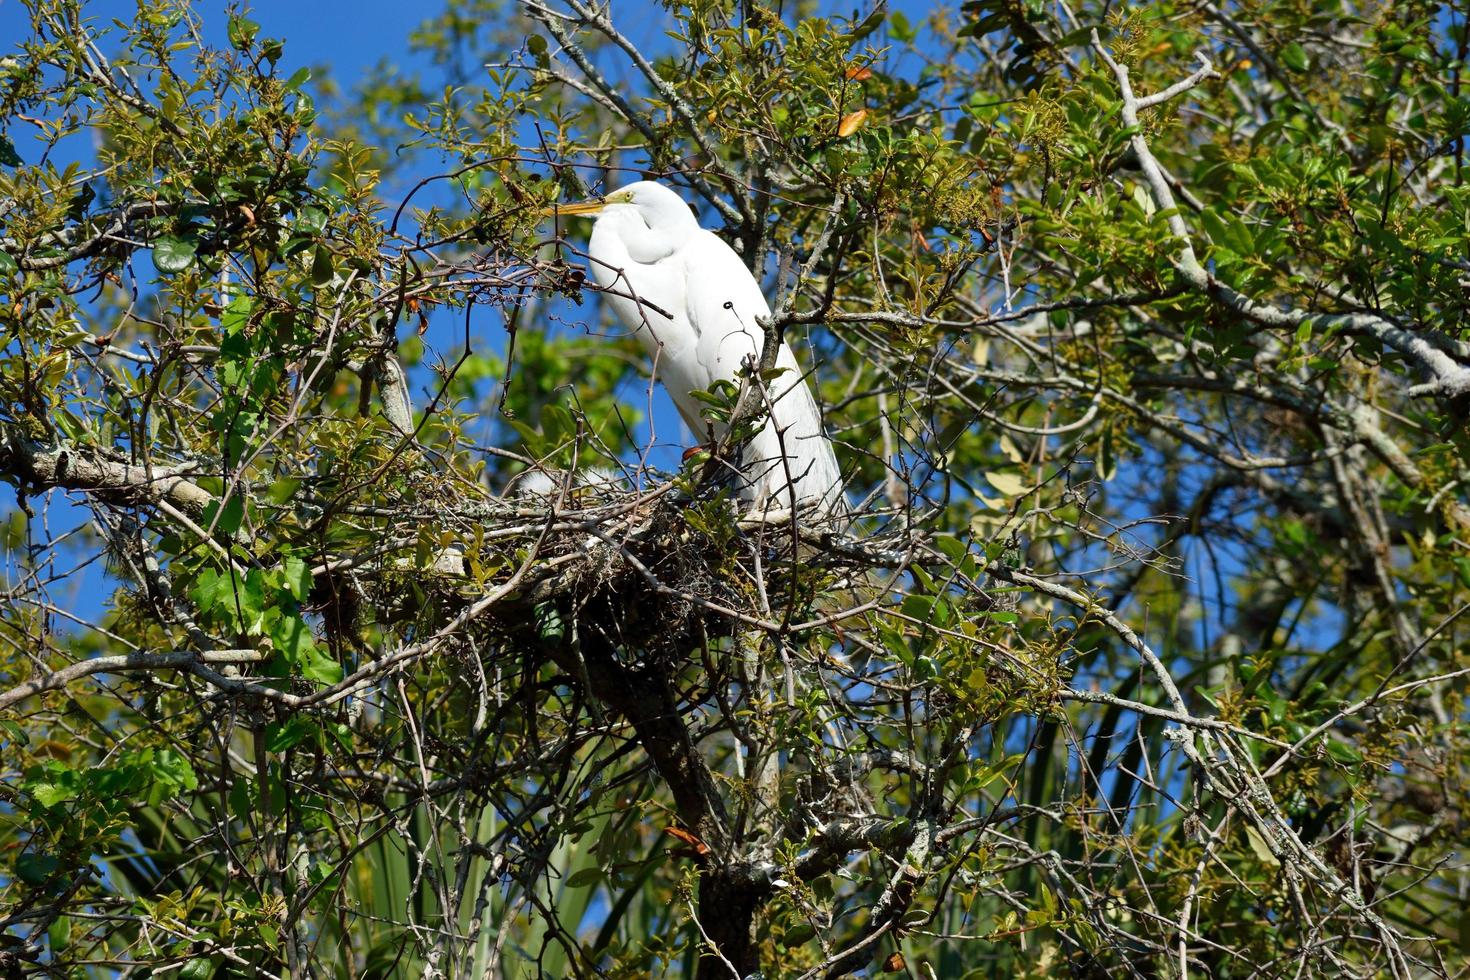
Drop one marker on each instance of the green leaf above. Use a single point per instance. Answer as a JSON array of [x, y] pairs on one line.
[[34, 869], [235, 359], [869, 24], [924, 608], [172, 254], [241, 803], [900, 28], [171, 774], [50, 794], [280, 736], [1462, 569], [342, 733], [798, 935], [584, 877], [205, 594], [321, 267], [296, 575], [8, 156], [17, 733], [198, 968], [283, 489], [1107, 460], [223, 597], [299, 78], [311, 221], [317, 666], [294, 639], [548, 622], [242, 31], [7, 264], [236, 316], [58, 934], [225, 521], [1294, 56]]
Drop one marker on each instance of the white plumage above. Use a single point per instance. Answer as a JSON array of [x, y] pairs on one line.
[[694, 305]]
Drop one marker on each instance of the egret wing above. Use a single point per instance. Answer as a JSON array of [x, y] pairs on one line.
[[791, 455]]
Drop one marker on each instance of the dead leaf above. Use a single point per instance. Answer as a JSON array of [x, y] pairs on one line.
[[859, 73], [1262, 849], [679, 833], [894, 963], [851, 122], [1008, 446], [1009, 484]]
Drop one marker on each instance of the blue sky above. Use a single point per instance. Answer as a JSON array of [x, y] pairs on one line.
[[349, 36]]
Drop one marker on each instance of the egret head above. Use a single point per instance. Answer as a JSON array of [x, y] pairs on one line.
[[657, 207]]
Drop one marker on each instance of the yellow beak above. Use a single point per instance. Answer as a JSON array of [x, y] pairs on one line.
[[584, 207]]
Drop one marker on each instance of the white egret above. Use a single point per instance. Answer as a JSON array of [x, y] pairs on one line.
[[697, 310]]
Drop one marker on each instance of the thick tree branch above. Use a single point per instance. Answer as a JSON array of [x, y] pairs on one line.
[[43, 467], [125, 663]]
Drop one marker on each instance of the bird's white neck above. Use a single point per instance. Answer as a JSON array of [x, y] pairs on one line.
[[643, 243]]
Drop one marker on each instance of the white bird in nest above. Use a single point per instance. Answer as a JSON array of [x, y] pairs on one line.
[[698, 311]]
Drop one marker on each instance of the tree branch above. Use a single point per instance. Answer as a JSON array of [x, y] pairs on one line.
[[138, 660], [72, 468]]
